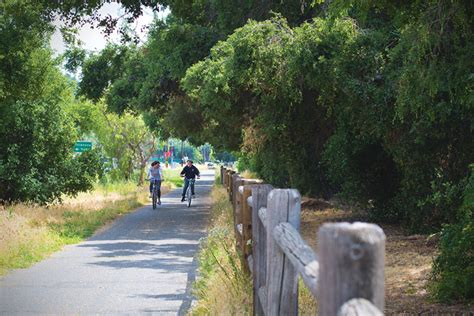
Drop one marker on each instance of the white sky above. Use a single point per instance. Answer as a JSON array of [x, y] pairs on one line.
[[94, 39]]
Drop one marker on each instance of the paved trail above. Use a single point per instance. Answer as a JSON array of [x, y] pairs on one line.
[[144, 263]]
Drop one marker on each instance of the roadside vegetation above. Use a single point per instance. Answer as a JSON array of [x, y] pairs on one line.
[[221, 288], [31, 232], [172, 178]]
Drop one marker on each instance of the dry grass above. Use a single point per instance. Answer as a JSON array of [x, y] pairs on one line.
[[246, 174], [29, 233], [407, 262], [21, 243], [221, 288]]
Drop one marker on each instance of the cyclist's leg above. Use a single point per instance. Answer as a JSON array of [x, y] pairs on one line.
[[186, 184], [192, 186], [158, 188], [151, 187]]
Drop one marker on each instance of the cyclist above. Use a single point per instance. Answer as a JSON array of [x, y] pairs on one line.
[[189, 172], [155, 173]]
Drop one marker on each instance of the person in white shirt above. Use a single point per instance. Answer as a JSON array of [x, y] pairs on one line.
[[155, 173]]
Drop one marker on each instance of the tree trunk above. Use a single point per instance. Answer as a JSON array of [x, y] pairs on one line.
[[130, 169], [142, 174]]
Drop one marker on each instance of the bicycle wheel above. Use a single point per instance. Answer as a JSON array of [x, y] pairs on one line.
[[189, 195], [154, 197]]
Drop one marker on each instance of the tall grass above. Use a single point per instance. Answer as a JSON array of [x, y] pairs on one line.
[[222, 288], [172, 177], [29, 233]]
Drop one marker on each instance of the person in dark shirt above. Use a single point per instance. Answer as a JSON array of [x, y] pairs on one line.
[[189, 172]]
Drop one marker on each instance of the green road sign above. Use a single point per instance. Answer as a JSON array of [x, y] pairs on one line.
[[80, 147]]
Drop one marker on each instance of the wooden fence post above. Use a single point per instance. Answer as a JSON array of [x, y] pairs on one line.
[[283, 205], [223, 170], [246, 219], [226, 180], [351, 265], [259, 200], [236, 182], [231, 185]]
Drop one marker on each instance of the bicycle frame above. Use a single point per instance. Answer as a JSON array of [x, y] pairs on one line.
[[189, 192], [155, 193]]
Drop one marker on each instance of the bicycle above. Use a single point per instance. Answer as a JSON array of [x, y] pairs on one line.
[[189, 195], [155, 193]]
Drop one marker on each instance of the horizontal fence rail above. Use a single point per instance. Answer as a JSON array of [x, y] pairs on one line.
[[347, 275]]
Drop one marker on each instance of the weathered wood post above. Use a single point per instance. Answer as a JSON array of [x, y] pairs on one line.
[[259, 199], [246, 219], [236, 182], [283, 205], [227, 180], [351, 265], [229, 183], [223, 170]]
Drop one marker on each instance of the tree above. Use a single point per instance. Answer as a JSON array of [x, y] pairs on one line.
[[343, 104], [36, 136], [127, 139], [150, 82]]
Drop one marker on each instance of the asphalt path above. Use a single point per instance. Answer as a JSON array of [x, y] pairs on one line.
[[144, 263]]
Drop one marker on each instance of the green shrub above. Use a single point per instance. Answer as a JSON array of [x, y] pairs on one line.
[[453, 269]]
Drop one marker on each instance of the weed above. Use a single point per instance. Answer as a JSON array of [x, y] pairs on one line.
[[222, 287]]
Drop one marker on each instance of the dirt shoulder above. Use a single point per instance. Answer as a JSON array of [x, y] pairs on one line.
[[407, 262]]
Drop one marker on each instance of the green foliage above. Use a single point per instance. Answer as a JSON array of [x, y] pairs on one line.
[[36, 136], [366, 102], [99, 70], [254, 81], [126, 139], [88, 167], [453, 270], [75, 55], [150, 81]]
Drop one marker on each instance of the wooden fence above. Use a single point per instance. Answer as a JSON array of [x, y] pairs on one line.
[[346, 276]]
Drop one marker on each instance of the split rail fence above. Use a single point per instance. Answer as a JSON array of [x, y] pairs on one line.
[[346, 276]]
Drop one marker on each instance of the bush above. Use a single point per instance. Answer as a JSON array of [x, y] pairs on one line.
[[36, 134], [453, 269]]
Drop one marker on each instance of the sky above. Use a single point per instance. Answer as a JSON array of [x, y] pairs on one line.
[[94, 39]]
